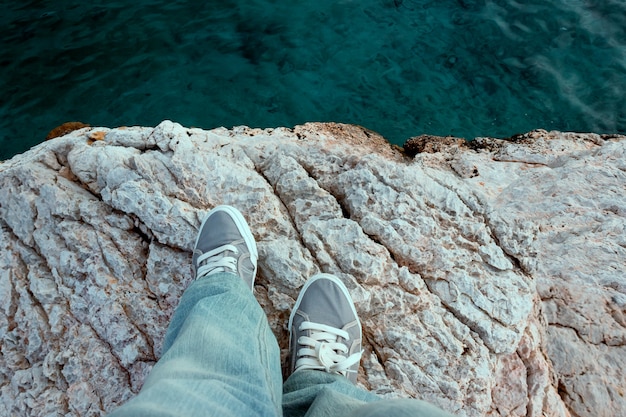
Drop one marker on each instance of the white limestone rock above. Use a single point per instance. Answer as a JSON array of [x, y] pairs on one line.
[[489, 279]]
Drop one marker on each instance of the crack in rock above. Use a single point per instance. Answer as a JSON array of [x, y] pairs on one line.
[[487, 278]]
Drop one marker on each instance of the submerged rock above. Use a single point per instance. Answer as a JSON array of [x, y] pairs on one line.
[[489, 278]]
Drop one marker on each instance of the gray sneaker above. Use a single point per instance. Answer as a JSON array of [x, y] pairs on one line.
[[324, 329], [225, 244]]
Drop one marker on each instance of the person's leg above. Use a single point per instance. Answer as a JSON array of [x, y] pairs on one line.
[[325, 348], [220, 357], [399, 408], [314, 393]]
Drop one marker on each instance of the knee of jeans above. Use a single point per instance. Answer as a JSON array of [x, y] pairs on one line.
[[399, 408]]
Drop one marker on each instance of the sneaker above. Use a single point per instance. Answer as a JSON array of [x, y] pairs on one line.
[[324, 329], [225, 244]]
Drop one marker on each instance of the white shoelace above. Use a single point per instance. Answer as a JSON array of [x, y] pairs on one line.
[[322, 351], [214, 261]]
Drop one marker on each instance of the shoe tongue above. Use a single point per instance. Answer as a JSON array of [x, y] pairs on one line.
[[223, 241]]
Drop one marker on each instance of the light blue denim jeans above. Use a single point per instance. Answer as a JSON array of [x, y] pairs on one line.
[[220, 358]]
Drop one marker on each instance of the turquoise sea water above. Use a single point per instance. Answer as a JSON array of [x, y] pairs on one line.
[[400, 67]]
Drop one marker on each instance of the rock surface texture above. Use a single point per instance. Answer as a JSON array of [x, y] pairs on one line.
[[489, 277]]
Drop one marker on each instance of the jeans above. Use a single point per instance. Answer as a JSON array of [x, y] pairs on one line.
[[220, 358]]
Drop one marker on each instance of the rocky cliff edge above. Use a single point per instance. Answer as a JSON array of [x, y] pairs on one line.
[[489, 277]]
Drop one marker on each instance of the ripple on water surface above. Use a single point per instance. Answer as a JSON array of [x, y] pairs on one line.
[[402, 68]]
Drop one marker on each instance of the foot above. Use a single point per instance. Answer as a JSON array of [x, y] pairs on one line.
[[324, 329], [225, 244]]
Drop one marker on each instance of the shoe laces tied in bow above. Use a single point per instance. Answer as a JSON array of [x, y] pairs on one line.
[[322, 349]]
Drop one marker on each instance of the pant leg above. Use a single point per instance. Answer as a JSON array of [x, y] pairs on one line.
[[311, 393], [320, 394], [220, 357], [399, 408]]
